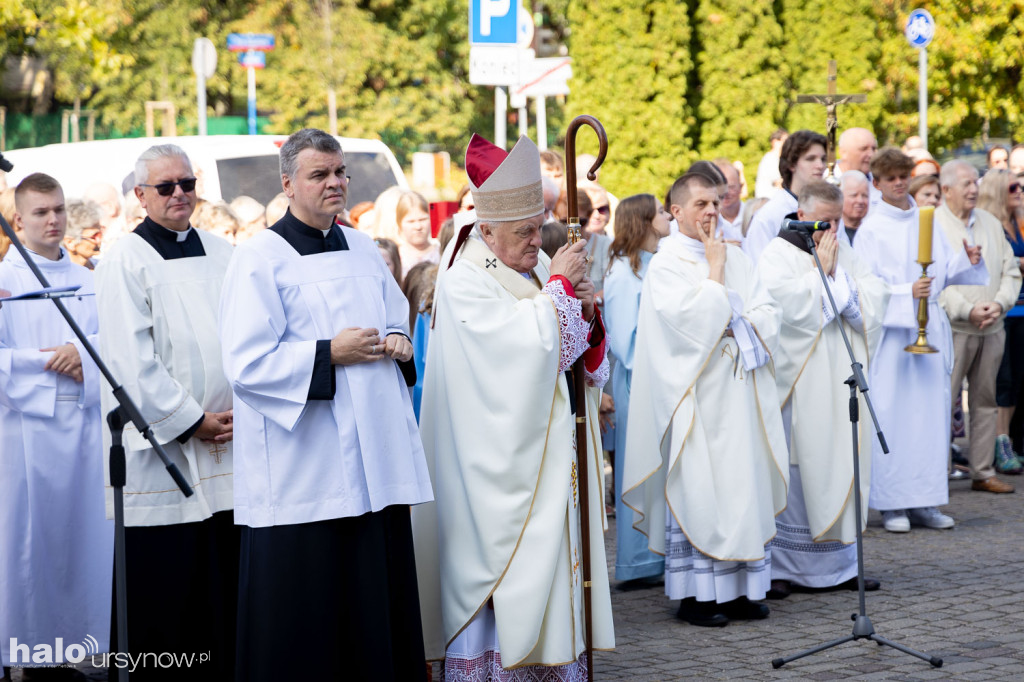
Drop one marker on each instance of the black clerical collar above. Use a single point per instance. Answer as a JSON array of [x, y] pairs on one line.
[[165, 241], [308, 240]]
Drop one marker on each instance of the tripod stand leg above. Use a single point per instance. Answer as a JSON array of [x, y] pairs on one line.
[[779, 662], [934, 660]]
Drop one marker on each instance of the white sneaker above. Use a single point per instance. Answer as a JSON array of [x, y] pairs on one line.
[[896, 521], [931, 517]]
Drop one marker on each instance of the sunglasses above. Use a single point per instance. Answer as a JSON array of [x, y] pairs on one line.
[[166, 189], [1015, 187], [603, 210]]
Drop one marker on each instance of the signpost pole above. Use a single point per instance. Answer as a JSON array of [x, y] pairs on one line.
[[252, 100], [201, 101], [500, 118]]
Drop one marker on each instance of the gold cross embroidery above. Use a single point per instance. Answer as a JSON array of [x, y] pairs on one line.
[[217, 450]]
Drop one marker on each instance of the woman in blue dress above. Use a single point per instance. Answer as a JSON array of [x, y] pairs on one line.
[[640, 221]]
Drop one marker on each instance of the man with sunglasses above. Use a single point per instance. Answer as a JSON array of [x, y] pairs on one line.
[[976, 315], [813, 545], [158, 293]]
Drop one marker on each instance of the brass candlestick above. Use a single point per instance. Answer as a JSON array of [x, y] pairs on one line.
[[922, 346]]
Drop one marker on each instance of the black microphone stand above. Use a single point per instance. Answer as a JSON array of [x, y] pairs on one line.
[[118, 417], [862, 626]]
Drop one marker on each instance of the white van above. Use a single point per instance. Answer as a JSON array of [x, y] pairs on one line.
[[229, 165]]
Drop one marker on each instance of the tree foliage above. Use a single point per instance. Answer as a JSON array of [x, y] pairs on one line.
[[632, 73]]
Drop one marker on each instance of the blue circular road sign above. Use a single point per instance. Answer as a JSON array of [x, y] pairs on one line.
[[920, 28]]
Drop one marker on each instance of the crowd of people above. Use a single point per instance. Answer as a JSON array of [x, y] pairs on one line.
[[404, 482]]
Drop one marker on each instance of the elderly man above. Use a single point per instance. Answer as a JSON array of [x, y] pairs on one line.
[[56, 548], [731, 208], [856, 148], [500, 551], [998, 158], [158, 290], [976, 315], [813, 545], [84, 234], [910, 390], [706, 466], [856, 200], [1017, 160], [328, 457]]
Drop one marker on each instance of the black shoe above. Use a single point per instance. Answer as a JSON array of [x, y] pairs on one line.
[[780, 589], [744, 609], [870, 585], [705, 614]]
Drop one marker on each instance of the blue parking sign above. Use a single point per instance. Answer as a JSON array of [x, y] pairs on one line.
[[493, 22]]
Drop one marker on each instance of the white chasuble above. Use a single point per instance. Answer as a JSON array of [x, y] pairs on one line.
[[158, 323], [301, 460], [811, 365], [499, 436], [56, 547], [705, 434], [911, 392]]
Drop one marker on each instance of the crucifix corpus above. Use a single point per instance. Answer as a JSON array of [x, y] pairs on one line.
[[831, 100]]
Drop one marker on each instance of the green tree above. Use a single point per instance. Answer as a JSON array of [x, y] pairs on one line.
[[631, 68], [742, 76], [974, 70]]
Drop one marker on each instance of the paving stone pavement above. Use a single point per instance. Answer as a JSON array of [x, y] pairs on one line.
[[956, 594]]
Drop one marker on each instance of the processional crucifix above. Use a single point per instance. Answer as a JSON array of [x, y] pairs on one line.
[[831, 100]]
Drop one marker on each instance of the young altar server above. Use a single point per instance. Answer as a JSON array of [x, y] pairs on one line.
[[911, 391], [56, 549]]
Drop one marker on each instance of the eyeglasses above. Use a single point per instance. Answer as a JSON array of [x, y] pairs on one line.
[[603, 210], [1015, 187], [166, 189]]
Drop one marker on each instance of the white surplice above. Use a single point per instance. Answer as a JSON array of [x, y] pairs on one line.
[[158, 323], [299, 460], [499, 436], [767, 222], [705, 432], [911, 392], [57, 547]]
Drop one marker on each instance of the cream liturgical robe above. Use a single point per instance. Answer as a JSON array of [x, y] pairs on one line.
[[158, 319], [911, 393], [56, 545], [705, 434], [498, 432], [811, 365]]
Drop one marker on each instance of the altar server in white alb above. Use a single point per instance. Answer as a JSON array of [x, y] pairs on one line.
[[158, 290], [56, 548], [911, 392], [814, 545], [327, 455], [707, 466], [500, 552]]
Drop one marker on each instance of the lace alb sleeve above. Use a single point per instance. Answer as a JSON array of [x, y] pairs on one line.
[[573, 329]]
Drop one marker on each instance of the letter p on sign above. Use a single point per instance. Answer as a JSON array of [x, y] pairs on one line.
[[491, 9]]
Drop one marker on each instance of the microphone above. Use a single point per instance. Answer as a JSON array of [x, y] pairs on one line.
[[805, 226]]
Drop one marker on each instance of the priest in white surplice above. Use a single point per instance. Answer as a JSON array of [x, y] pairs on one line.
[[315, 333], [56, 548], [911, 392], [499, 553], [813, 547], [158, 289], [708, 468]]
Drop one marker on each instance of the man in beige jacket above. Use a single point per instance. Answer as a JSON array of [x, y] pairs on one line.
[[976, 314]]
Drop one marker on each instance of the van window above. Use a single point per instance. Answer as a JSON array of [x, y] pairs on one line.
[[260, 177]]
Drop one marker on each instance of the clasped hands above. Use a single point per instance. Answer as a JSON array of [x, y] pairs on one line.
[[358, 344]]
